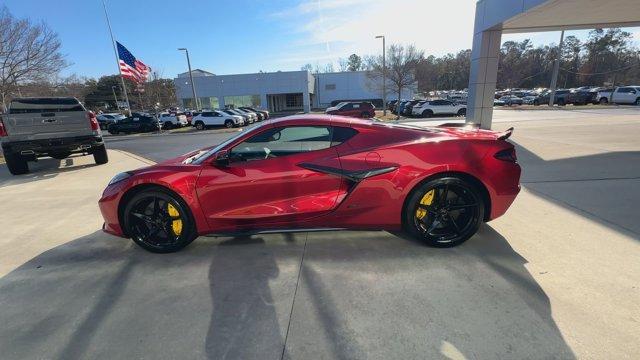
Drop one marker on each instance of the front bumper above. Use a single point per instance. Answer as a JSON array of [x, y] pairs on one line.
[[108, 205]]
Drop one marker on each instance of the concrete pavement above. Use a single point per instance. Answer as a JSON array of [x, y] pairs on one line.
[[556, 277]]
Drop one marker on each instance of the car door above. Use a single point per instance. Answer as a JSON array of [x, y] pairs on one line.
[[269, 181]]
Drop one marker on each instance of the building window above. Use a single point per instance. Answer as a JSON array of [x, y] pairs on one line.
[[330, 87], [294, 100], [209, 103], [242, 100]]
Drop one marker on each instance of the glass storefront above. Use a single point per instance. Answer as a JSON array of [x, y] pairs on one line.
[[205, 103], [242, 100]]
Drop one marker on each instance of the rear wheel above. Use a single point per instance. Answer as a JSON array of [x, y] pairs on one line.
[[167, 125], [427, 113], [604, 101], [100, 155], [444, 212], [159, 221], [462, 112], [561, 102], [637, 101], [16, 163]]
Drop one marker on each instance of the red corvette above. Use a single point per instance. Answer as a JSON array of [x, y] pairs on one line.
[[320, 172]]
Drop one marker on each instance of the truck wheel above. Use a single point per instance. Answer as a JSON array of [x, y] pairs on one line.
[[16, 163], [100, 155], [199, 125]]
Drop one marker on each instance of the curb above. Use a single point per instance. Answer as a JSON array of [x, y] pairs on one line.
[[134, 156]]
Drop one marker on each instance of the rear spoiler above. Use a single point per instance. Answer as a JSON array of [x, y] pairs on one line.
[[501, 135]]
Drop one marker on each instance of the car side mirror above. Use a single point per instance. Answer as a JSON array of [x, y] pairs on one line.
[[221, 158]]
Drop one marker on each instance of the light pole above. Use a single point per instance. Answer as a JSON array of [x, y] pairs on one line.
[[113, 88], [384, 75], [556, 69], [193, 87]]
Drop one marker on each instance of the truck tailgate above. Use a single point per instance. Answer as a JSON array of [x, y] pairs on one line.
[[33, 126]]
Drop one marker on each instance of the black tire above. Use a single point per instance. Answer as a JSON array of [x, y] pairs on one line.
[[167, 125], [462, 112], [16, 163], [151, 224], [228, 124], [364, 115], [604, 101], [561, 102], [536, 102], [100, 155], [451, 214], [427, 114], [60, 155], [637, 101], [199, 125]]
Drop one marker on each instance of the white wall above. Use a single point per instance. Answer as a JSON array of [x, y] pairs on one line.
[[352, 85]]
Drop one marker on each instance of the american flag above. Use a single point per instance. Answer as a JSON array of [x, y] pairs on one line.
[[131, 67]]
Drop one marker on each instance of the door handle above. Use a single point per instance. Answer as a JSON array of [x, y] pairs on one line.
[[49, 121]]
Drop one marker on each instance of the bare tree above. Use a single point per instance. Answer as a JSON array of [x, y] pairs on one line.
[[400, 68], [343, 65], [28, 53]]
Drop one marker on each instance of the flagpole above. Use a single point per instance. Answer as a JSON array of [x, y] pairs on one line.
[[115, 52]]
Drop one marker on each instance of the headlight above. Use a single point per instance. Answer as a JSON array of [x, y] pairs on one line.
[[119, 177]]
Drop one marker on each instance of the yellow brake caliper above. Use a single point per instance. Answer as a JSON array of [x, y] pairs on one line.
[[176, 224], [427, 199]]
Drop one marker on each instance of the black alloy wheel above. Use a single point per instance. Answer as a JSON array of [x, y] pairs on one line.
[[159, 222], [444, 212], [462, 112]]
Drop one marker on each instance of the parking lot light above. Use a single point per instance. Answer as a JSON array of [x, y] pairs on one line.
[[193, 87], [384, 75]]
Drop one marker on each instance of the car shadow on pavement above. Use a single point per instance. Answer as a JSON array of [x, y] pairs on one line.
[[45, 168], [360, 295]]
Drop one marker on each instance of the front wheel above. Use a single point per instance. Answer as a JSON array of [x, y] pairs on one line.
[[462, 112], [444, 212], [159, 222], [199, 125], [228, 124], [427, 114]]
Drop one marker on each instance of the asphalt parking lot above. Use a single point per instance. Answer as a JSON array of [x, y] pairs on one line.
[[556, 277]]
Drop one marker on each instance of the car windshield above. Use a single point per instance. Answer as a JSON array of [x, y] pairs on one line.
[[202, 155]]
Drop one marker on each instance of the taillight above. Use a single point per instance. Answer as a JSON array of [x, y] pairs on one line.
[[95, 126], [507, 155], [3, 130]]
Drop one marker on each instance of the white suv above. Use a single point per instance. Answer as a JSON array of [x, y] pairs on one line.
[[216, 118], [169, 120], [438, 107]]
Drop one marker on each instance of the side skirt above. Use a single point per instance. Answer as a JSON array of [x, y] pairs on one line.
[[274, 231]]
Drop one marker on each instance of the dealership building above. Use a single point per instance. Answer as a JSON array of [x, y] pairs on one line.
[[282, 91]]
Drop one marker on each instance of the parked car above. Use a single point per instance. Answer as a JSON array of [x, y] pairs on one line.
[[48, 126], [361, 109], [253, 116], [560, 98], [408, 107], [107, 119], [289, 175], [391, 105], [529, 99], [621, 95], [216, 118], [511, 100], [245, 117], [172, 120], [265, 113], [604, 95], [582, 97], [400, 108], [439, 107], [135, 124]]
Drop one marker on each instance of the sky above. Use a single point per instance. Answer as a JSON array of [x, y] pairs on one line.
[[244, 36]]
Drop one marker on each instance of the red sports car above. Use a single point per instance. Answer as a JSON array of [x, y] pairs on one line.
[[320, 172]]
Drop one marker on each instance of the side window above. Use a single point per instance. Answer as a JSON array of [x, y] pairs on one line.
[[347, 107], [356, 106], [623, 90], [279, 142], [342, 134]]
